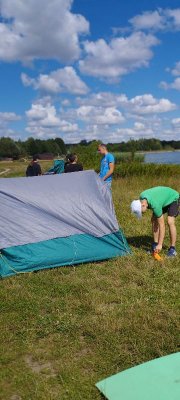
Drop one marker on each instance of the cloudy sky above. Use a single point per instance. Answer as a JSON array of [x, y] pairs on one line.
[[90, 69]]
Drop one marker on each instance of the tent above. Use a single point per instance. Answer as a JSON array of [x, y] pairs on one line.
[[57, 168], [50, 221]]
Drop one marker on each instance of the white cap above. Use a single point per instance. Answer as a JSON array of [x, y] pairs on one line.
[[136, 208]]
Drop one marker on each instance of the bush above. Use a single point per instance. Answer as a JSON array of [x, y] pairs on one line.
[[139, 169], [88, 155], [128, 157]]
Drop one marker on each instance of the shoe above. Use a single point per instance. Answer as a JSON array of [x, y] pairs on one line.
[[153, 246], [172, 252]]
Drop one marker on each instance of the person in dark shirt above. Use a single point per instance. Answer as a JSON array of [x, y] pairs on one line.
[[34, 168], [72, 165]]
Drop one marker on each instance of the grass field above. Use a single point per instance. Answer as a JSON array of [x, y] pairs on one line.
[[18, 168], [64, 329]]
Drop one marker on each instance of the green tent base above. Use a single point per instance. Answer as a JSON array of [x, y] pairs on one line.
[[158, 379], [75, 249]]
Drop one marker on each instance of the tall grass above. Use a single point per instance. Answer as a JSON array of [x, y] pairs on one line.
[[128, 157], [123, 170]]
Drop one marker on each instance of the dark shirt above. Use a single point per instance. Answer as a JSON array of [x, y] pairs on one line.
[[33, 169], [73, 167]]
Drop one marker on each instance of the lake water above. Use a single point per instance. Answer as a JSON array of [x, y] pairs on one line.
[[163, 157]]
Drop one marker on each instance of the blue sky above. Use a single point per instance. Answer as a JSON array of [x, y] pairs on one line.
[[90, 69]]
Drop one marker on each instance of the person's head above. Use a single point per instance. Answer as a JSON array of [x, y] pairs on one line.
[[144, 205], [102, 148], [138, 207], [72, 158], [35, 157]]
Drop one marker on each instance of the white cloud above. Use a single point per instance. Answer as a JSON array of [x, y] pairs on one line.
[[61, 80], [40, 29], [65, 103], [147, 104], [176, 126], [103, 99], [6, 117], [99, 115], [148, 20], [173, 85], [41, 133], [176, 121], [84, 112], [139, 126], [151, 128], [176, 70], [90, 132], [174, 17], [119, 57], [43, 115], [43, 121], [176, 83], [161, 19], [68, 127], [138, 105]]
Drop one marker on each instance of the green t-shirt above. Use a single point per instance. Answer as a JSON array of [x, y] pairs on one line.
[[158, 198]]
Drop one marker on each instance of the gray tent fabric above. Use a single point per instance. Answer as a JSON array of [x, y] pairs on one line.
[[47, 207]]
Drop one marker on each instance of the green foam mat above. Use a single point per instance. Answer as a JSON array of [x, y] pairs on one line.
[[158, 379]]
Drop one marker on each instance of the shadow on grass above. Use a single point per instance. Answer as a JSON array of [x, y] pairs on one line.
[[143, 242]]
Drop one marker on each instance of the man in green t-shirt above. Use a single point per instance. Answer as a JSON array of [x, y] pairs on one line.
[[160, 200]]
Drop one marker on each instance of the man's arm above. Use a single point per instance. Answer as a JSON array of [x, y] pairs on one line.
[[161, 224], [110, 172], [39, 170]]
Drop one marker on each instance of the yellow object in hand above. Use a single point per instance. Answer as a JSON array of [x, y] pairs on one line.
[[157, 256]]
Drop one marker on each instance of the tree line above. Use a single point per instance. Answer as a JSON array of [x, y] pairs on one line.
[[138, 145], [19, 149], [145, 145], [57, 147]]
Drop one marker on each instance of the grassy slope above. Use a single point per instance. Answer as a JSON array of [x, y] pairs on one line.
[[64, 329], [17, 168]]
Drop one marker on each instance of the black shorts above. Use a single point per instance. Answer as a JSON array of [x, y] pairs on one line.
[[172, 209]]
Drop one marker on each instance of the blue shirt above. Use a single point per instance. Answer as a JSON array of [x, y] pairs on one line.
[[106, 160]]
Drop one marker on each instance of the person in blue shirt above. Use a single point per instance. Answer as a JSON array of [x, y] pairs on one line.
[[107, 164]]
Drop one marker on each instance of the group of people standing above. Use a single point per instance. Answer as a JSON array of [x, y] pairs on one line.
[[161, 200], [72, 165]]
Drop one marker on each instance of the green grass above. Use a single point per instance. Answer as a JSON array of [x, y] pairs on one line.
[[18, 168], [140, 169], [122, 168], [64, 329]]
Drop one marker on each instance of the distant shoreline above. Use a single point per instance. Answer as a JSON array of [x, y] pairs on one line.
[[157, 151]]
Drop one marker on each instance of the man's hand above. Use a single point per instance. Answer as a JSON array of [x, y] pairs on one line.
[[158, 248], [110, 172]]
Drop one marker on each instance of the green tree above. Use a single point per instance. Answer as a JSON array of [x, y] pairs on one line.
[[61, 144], [52, 146], [88, 155], [8, 148], [32, 146]]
